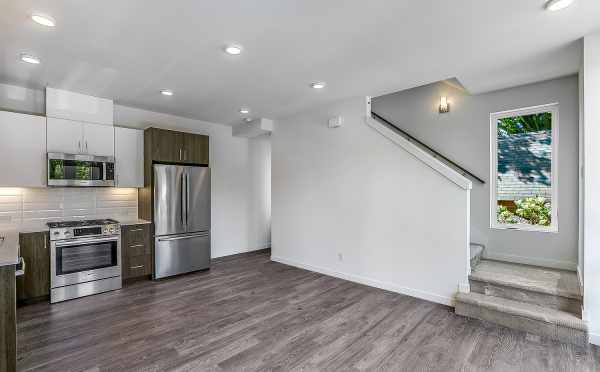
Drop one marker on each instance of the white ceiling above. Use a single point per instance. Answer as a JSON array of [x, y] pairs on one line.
[[130, 49]]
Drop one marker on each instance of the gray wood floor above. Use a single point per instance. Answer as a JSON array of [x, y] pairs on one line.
[[250, 314]]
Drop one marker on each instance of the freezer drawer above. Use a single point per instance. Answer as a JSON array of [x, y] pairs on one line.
[[178, 254]]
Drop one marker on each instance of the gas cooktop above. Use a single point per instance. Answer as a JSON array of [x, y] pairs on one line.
[[81, 223]]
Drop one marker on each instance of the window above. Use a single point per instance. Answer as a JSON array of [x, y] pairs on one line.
[[524, 188]]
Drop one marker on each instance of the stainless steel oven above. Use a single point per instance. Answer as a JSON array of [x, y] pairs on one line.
[[80, 170], [85, 258]]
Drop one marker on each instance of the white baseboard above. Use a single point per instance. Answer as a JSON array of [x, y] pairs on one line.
[[262, 246], [428, 296], [464, 287], [556, 264]]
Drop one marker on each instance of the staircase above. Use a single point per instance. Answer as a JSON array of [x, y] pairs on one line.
[[541, 301]]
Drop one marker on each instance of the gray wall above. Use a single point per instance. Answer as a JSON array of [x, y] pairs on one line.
[[463, 135]]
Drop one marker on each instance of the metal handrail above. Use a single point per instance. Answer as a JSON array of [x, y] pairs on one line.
[[433, 152]]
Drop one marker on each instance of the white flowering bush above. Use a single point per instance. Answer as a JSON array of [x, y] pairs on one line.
[[533, 210]]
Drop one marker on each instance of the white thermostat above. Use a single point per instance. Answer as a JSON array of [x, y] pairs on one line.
[[336, 122]]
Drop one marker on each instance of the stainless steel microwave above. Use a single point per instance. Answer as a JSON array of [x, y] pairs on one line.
[[80, 170]]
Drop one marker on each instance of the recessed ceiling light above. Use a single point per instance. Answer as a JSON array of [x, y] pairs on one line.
[[554, 5], [317, 85], [43, 20], [233, 49], [166, 92], [248, 120], [244, 110], [30, 59]]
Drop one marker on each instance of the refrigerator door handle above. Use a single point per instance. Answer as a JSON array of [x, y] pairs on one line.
[[182, 201], [168, 239], [187, 196]]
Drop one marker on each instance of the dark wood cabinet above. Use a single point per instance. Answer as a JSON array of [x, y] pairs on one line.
[[195, 149], [169, 146], [35, 283], [176, 147], [136, 251], [8, 319]]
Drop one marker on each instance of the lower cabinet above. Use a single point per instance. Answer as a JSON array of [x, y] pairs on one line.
[[136, 251], [34, 284]]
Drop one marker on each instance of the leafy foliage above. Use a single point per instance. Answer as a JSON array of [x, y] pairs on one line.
[[534, 211], [525, 123], [506, 216]]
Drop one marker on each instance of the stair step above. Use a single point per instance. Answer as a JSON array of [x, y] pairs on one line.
[[531, 278], [557, 325]]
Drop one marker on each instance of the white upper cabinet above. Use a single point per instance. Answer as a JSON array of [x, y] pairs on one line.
[[129, 157], [22, 150], [65, 136], [75, 137], [79, 124], [63, 104], [98, 140]]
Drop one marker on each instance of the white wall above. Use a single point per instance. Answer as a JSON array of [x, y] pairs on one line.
[[348, 202], [240, 219], [591, 109], [463, 135], [259, 188]]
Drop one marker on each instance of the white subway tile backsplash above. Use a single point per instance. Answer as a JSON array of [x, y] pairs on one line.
[[25, 205]]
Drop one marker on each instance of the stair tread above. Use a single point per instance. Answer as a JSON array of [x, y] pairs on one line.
[[533, 278], [523, 309]]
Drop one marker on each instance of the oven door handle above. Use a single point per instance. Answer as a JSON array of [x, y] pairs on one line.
[[84, 241]]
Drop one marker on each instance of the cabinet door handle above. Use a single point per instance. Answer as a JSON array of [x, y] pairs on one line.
[[79, 146], [136, 245], [86, 148], [179, 153], [136, 267], [134, 230]]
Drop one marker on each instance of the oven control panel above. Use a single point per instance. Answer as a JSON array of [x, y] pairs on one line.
[[63, 233], [111, 229]]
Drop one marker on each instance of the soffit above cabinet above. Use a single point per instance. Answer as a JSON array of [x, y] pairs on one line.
[[63, 104], [252, 129]]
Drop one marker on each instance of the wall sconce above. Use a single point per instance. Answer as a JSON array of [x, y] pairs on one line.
[[444, 105]]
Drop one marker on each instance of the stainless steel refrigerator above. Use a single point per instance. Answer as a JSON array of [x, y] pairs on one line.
[[181, 219]]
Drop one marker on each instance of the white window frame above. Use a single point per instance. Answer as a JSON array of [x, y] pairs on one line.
[[553, 108]]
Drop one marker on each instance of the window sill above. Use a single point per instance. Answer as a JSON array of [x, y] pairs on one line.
[[522, 227]]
